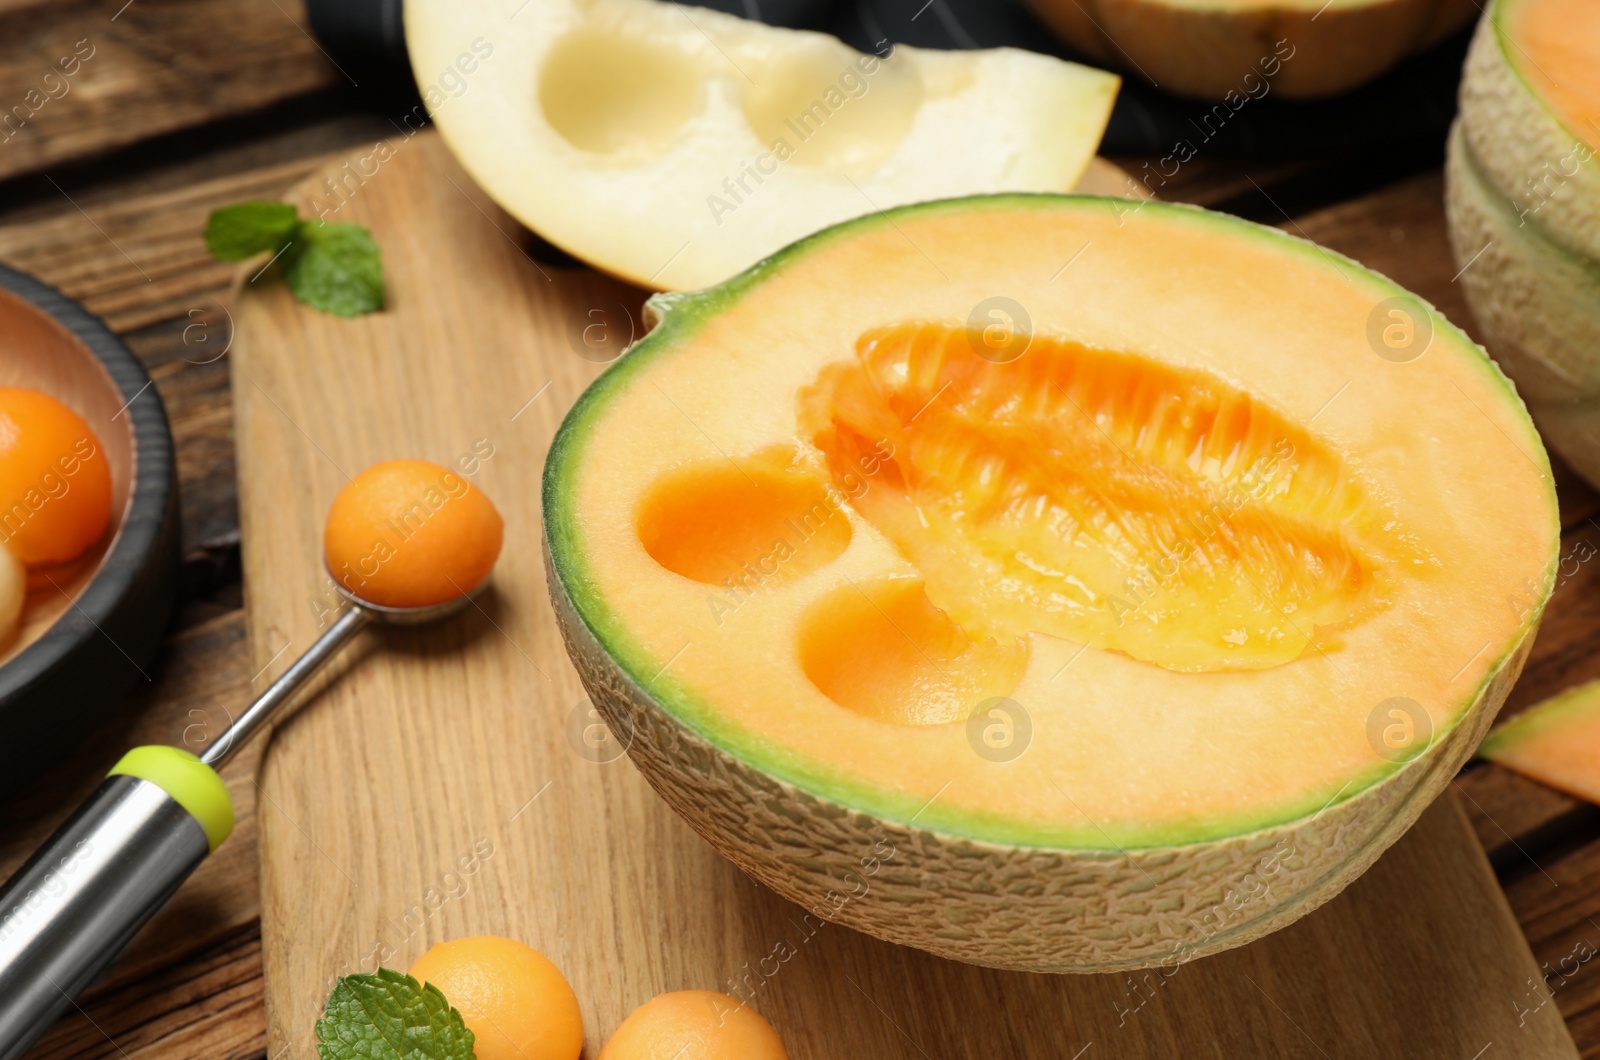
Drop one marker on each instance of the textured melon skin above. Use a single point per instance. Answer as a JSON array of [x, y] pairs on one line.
[[1206, 50], [1516, 139], [1535, 290], [1016, 907], [1538, 305]]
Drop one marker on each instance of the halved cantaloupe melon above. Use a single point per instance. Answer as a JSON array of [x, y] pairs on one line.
[[674, 146], [1228, 49], [1556, 742], [1530, 114], [1084, 569], [1523, 201]]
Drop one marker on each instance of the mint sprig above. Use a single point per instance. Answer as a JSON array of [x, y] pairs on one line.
[[390, 1016], [251, 228], [335, 268]]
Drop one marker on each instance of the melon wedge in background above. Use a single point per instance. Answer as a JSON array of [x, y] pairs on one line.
[[1556, 742], [1050, 582], [674, 146], [1523, 203], [1227, 50]]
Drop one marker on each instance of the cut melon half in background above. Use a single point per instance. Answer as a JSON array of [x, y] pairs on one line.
[[1107, 575], [1556, 742], [674, 146], [1522, 197], [1530, 114], [1230, 51]]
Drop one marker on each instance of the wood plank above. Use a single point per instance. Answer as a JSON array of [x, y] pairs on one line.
[[190, 985], [80, 78], [424, 745], [207, 1005], [199, 678], [150, 263], [1560, 912]]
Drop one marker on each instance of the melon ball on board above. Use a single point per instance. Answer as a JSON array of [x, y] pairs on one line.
[[516, 1003], [694, 1025]]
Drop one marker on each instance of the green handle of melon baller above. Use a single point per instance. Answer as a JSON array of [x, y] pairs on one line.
[[67, 914]]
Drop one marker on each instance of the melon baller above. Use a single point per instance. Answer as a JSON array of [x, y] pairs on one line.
[[73, 907]]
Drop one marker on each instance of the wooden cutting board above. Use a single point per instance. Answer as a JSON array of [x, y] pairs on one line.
[[446, 783]]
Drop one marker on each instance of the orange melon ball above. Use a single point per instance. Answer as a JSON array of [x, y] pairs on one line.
[[55, 479], [408, 533], [694, 1025], [514, 1001]]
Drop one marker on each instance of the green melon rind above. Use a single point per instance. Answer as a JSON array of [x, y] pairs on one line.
[[680, 317], [1515, 135], [1011, 906], [1538, 304], [1578, 701]]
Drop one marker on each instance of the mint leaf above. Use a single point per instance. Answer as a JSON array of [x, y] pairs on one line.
[[335, 268], [389, 1016], [243, 231]]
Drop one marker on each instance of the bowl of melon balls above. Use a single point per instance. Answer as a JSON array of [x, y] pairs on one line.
[[88, 525]]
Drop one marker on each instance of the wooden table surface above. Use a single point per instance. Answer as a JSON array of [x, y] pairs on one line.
[[182, 106]]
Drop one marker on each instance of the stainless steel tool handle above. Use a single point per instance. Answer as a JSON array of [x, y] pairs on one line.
[[68, 913]]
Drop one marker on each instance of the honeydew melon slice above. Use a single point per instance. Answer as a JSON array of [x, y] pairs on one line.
[[929, 544], [674, 146], [1530, 112], [1556, 742]]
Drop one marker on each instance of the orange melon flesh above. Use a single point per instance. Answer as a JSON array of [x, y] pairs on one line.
[[1556, 742], [1555, 49], [1196, 533], [1100, 497]]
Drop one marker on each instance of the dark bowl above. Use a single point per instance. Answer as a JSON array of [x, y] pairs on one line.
[[90, 630]]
